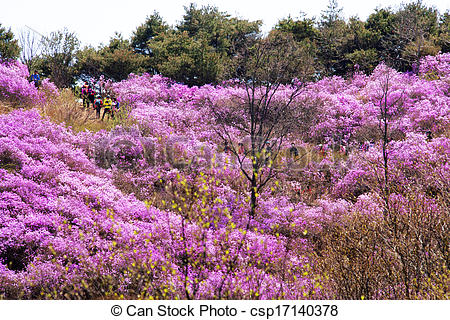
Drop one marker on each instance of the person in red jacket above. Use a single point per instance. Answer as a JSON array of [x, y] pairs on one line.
[[84, 94], [98, 103], [91, 96]]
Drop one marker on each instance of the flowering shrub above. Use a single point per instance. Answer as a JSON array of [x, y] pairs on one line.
[[63, 221], [17, 90], [435, 66], [14, 85], [160, 209], [48, 90]]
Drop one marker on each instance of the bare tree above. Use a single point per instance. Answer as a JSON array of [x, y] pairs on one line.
[[389, 106], [268, 73], [31, 44]]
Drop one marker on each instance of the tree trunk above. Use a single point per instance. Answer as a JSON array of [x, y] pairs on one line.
[[253, 195]]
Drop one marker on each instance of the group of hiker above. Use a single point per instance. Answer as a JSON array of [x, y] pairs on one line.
[[91, 97]]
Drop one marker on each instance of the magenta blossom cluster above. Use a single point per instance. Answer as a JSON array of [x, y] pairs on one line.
[[160, 210], [15, 87], [62, 217], [438, 66]]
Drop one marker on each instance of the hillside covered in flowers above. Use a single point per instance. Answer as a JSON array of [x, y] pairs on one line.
[[157, 206]]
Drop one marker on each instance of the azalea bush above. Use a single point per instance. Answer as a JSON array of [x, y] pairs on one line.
[[16, 89], [154, 205], [68, 232]]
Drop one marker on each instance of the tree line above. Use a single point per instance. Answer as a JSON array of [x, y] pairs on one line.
[[205, 46]]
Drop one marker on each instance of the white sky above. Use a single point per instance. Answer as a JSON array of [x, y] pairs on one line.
[[95, 21]]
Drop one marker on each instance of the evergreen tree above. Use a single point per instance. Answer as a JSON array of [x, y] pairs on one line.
[[333, 39], [152, 26], [9, 47]]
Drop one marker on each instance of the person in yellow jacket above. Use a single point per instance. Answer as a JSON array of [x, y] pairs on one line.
[[107, 104]]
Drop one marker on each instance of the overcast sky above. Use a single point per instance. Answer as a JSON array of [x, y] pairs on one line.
[[95, 21]]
